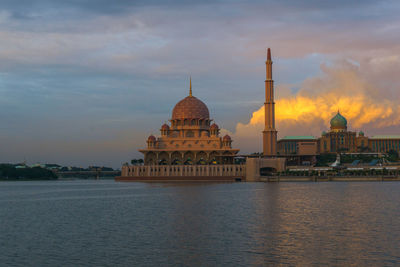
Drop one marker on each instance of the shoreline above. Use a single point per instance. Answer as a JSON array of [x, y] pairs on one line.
[[330, 179]]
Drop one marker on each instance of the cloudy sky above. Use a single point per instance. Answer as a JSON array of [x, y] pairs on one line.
[[86, 81]]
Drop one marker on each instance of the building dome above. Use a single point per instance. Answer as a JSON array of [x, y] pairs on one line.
[[190, 108], [165, 127], [227, 138], [361, 133], [151, 138], [338, 122], [214, 126]]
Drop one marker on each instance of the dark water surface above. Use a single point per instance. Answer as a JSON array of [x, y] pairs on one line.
[[104, 223]]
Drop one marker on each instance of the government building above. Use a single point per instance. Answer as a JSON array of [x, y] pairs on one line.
[[338, 140]]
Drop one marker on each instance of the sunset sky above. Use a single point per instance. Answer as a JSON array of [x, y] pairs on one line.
[[84, 82]]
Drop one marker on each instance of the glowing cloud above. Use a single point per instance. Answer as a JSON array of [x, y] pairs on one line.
[[341, 87]]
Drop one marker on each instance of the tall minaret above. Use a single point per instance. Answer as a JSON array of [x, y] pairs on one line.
[[269, 133]]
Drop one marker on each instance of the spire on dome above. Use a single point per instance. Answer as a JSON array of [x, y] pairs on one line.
[[190, 90], [269, 54]]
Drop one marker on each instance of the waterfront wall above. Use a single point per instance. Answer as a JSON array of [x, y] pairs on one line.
[[183, 172]]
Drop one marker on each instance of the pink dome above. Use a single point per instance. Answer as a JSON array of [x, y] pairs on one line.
[[227, 138], [214, 126], [151, 138], [190, 108], [165, 127]]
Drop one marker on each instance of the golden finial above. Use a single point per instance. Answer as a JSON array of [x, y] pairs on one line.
[[190, 91]]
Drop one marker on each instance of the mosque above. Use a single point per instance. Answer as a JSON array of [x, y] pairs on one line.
[[337, 140], [191, 139]]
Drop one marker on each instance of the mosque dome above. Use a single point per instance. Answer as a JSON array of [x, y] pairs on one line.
[[214, 126], [227, 138], [338, 122], [151, 138], [165, 127], [190, 108]]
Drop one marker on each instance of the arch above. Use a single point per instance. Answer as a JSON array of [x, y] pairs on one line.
[[189, 134], [175, 134], [188, 158], [150, 158], [185, 122], [193, 122], [214, 158], [163, 158], [176, 158], [201, 158]]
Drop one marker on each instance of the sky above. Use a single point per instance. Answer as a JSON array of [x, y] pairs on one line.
[[84, 82]]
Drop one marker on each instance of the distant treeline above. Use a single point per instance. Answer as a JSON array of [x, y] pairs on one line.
[[10, 172]]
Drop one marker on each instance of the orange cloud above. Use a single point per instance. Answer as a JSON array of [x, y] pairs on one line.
[[309, 111]]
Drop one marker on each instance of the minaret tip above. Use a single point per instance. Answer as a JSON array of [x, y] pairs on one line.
[[190, 86], [269, 54]]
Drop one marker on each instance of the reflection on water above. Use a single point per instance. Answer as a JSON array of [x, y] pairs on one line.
[[103, 223]]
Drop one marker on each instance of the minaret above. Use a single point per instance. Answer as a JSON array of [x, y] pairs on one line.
[[269, 133]]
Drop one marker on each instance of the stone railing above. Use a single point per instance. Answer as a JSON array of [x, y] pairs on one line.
[[183, 170]]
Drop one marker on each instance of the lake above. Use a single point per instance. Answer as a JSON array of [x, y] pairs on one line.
[[105, 223]]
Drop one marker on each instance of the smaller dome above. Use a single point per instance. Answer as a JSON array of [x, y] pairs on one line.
[[214, 126], [361, 133], [227, 138], [151, 138], [165, 127], [323, 133]]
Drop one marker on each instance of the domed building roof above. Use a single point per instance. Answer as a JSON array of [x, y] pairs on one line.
[[214, 126], [227, 138], [338, 122], [151, 138], [165, 127], [190, 108]]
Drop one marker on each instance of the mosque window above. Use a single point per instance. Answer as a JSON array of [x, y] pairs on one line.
[[325, 147]]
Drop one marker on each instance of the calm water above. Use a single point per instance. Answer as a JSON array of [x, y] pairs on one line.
[[103, 223]]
